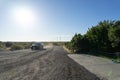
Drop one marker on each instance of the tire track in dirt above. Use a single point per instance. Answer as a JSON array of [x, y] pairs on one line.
[[22, 61], [51, 64], [31, 72]]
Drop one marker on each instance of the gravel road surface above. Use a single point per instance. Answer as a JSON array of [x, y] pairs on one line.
[[100, 66], [49, 64]]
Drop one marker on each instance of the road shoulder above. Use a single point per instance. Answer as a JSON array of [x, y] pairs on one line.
[[97, 65]]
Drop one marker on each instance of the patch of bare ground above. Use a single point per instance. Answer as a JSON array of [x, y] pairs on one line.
[[49, 64]]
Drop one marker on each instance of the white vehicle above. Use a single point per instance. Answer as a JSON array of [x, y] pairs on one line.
[[37, 46]]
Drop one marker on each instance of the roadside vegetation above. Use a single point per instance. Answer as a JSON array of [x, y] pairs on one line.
[[14, 45], [102, 39], [2, 46], [23, 45]]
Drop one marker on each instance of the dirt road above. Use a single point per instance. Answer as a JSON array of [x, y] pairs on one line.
[[49, 64], [98, 65]]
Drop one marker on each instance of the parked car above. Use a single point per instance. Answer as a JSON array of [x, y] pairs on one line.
[[37, 46]]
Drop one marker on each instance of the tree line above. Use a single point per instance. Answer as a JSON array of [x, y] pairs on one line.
[[105, 36]]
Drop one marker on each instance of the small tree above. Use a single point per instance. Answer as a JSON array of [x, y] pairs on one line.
[[114, 37]]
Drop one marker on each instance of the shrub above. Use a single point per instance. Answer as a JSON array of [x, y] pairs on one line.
[[17, 47], [103, 37], [2, 46]]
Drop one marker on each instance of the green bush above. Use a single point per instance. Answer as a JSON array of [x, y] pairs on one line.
[[79, 43], [2, 46], [17, 47], [26, 45], [101, 38]]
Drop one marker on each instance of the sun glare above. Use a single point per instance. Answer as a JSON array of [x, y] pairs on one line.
[[24, 16]]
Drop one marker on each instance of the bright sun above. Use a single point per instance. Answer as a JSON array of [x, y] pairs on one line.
[[24, 16]]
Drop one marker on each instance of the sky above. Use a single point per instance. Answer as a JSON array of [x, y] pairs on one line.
[[52, 20]]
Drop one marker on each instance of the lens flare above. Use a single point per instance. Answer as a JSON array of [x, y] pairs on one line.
[[23, 16]]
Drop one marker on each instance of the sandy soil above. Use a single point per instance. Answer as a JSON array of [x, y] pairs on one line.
[[49, 64], [101, 66]]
